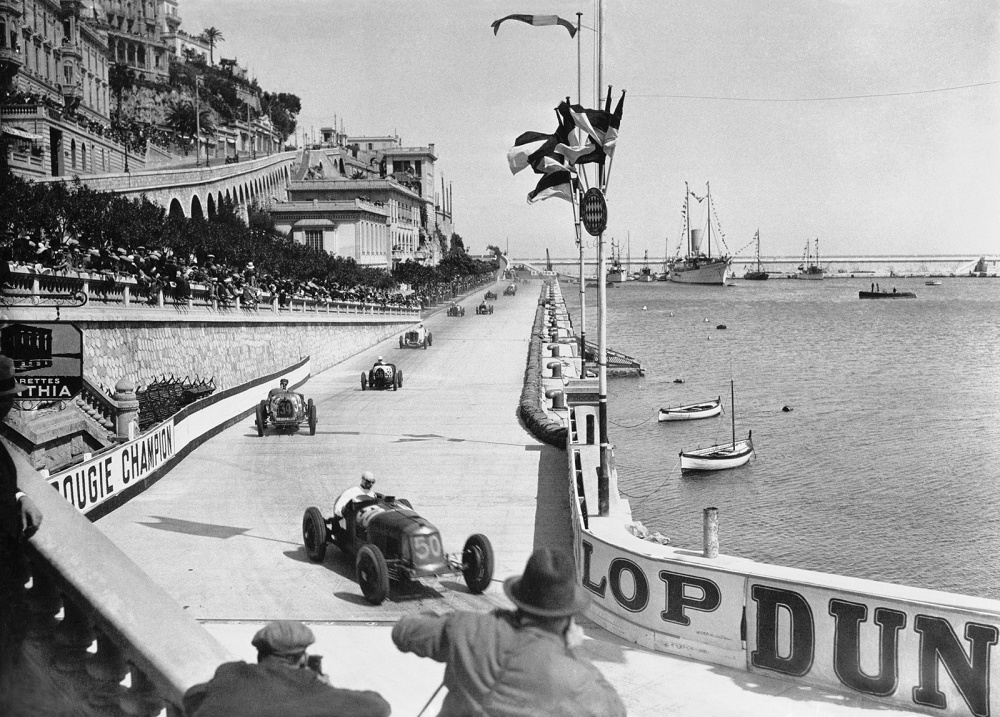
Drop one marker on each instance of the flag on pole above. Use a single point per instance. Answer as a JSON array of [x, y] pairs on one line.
[[598, 133], [538, 150], [557, 184], [537, 21]]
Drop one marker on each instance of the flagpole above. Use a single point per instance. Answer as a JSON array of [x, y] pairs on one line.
[[579, 234], [604, 475]]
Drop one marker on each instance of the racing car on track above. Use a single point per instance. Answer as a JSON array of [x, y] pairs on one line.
[[285, 410], [456, 310], [389, 541], [510, 290], [382, 376], [490, 296], [418, 338], [484, 308]]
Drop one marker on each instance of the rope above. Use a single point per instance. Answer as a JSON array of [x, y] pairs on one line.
[[634, 426], [663, 483]]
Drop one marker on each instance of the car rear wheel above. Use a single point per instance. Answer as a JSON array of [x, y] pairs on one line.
[[477, 563], [430, 341], [311, 408], [400, 342], [373, 574], [260, 418], [399, 379], [314, 534], [364, 381]]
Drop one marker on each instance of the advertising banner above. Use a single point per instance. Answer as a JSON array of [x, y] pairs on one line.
[[97, 480], [669, 606], [912, 654]]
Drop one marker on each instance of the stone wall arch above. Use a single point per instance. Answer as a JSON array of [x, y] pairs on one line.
[[196, 210], [175, 210]]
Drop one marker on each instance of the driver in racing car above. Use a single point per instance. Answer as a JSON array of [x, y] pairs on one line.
[[283, 383], [364, 489], [379, 362]]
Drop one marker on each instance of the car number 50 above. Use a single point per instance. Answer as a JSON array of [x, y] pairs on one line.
[[426, 546]]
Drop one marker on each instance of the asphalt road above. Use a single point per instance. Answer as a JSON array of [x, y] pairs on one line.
[[222, 532]]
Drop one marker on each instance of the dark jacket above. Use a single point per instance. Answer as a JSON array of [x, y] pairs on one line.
[[272, 689], [501, 666]]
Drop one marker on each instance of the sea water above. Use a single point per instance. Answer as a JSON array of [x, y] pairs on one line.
[[887, 463]]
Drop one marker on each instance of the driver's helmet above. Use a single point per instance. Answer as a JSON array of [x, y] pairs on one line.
[[283, 383], [367, 480], [378, 360]]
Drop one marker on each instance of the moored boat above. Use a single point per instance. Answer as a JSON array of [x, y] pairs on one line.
[[697, 267], [717, 458], [886, 294], [932, 283], [757, 274], [691, 411], [722, 456], [813, 271]]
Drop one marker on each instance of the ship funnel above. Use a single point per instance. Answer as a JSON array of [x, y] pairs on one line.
[[696, 241]]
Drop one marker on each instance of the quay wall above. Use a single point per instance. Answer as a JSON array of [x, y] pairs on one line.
[[905, 647]]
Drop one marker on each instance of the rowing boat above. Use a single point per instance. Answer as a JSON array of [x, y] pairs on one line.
[[691, 411]]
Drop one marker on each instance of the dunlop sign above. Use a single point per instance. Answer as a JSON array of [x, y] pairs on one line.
[[95, 481], [912, 652]]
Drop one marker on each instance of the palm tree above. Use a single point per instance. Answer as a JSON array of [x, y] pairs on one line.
[[212, 35], [181, 119]]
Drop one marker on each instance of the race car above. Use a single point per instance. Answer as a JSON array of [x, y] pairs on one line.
[[285, 410], [456, 310], [484, 308], [416, 339], [510, 290], [490, 296], [389, 541], [382, 376]]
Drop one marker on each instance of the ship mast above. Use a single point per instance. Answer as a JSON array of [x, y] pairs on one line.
[[708, 198]]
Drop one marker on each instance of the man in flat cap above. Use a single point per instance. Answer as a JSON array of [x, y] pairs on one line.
[[280, 684], [516, 663]]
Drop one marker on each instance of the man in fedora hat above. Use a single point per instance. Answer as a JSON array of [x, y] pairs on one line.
[[19, 520], [516, 663], [283, 683]]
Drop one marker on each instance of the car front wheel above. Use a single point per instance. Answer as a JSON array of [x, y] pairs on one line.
[[311, 408], [373, 574], [477, 563], [314, 534], [364, 382], [260, 418]]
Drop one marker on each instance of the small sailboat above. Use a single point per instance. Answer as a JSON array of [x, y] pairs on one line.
[[645, 273], [757, 274], [812, 270], [705, 409], [722, 456]]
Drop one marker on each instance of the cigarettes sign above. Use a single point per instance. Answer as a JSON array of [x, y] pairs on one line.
[[48, 359]]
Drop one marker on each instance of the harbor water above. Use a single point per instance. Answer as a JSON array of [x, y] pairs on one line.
[[886, 466]]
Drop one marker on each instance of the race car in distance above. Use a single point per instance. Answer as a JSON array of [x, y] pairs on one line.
[[484, 308], [284, 410], [456, 310], [389, 541], [510, 290], [418, 338], [382, 376], [490, 296]]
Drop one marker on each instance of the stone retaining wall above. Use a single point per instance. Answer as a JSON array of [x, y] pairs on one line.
[[232, 354]]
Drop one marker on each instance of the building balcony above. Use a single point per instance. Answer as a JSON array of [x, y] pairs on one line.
[[10, 8], [11, 61], [70, 91], [71, 50]]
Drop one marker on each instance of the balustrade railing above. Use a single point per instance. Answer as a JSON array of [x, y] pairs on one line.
[[26, 286], [84, 592]]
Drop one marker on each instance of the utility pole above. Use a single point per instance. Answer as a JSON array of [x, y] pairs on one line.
[[197, 125]]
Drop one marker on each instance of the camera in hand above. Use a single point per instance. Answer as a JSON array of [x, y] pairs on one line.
[[315, 663]]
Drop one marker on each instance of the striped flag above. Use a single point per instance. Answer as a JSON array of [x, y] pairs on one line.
[[537, 21], [600, 126], [538, 149], [557, 184]]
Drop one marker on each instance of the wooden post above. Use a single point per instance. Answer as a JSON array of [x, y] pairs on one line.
[[711, 532]]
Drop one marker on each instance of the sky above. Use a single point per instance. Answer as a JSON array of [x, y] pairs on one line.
[[834, 120]]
